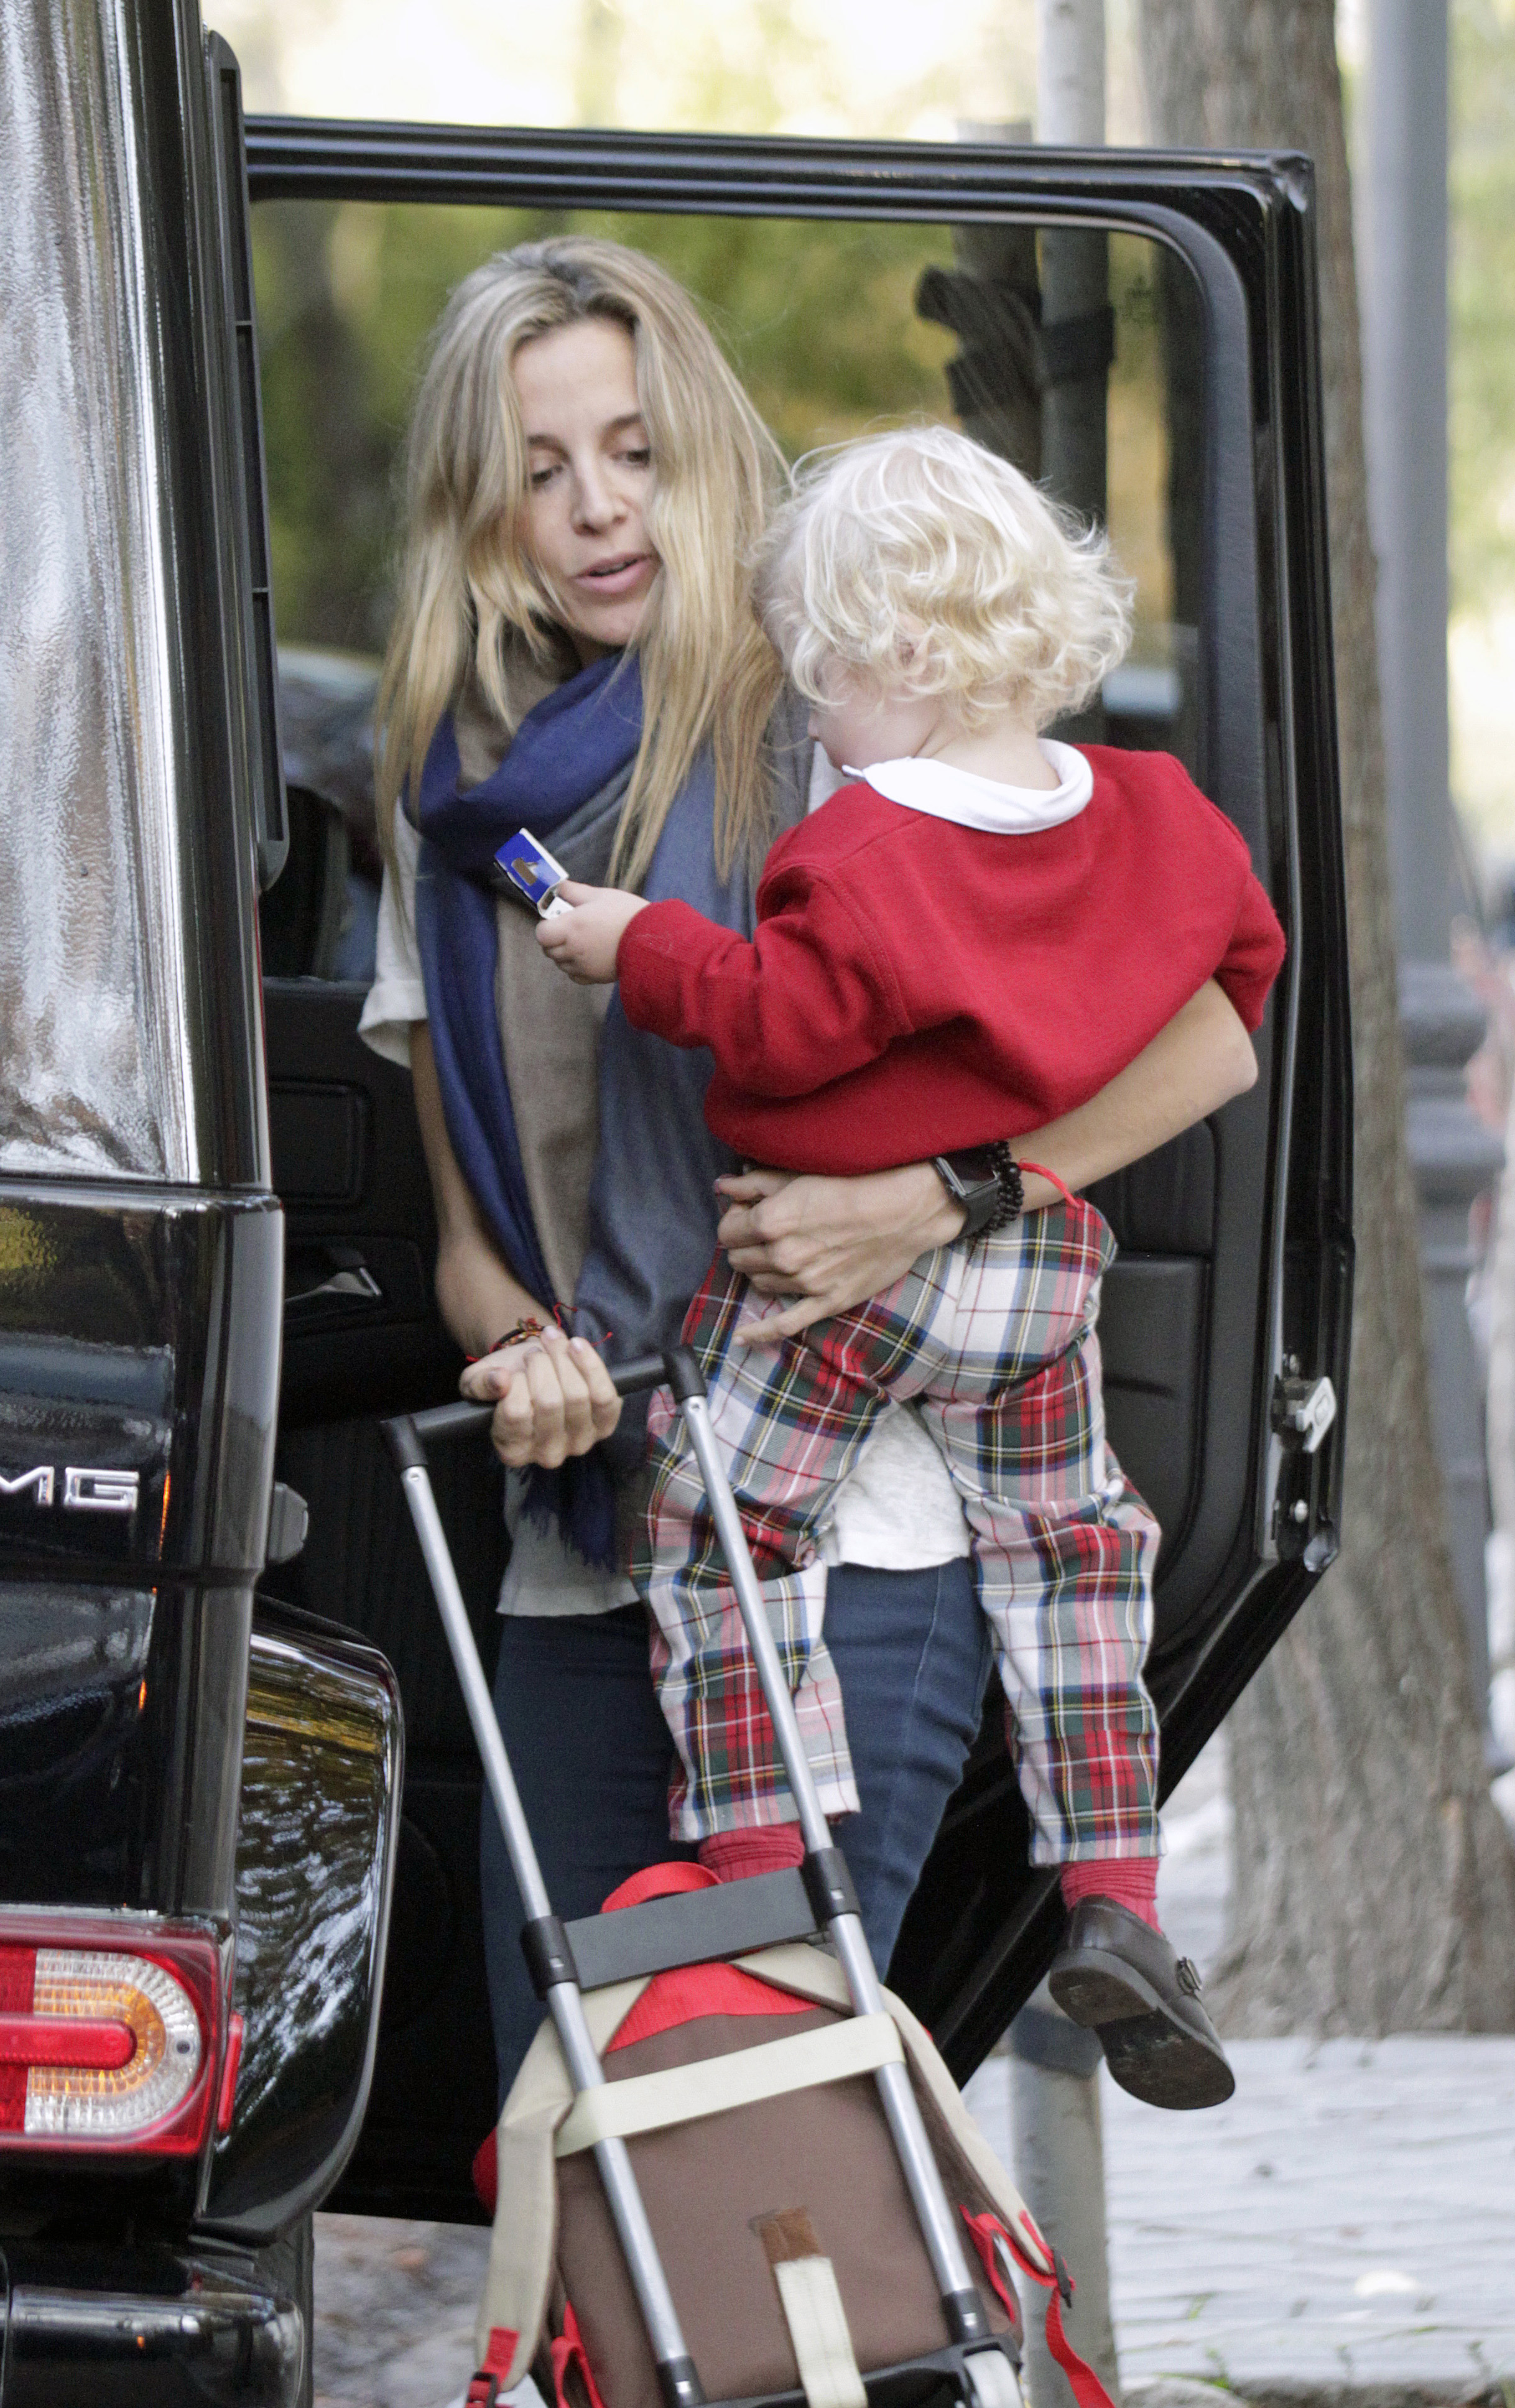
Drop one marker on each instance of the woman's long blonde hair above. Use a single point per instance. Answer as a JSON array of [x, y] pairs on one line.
[[469, 593]]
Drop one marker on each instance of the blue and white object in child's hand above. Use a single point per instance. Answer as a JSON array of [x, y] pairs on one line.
[[531, 869]]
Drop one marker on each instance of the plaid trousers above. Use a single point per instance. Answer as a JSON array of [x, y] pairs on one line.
[[994, 1342]]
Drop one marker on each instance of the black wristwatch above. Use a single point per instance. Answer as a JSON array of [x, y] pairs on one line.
[[986, 1180]]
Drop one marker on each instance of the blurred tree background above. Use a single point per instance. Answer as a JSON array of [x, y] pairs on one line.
[[1482, 298], [1483, 427], [339, 378]]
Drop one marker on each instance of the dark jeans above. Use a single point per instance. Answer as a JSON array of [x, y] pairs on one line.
[[591, 1756]]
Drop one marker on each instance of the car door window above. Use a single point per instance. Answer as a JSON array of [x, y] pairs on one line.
[[835, 329]]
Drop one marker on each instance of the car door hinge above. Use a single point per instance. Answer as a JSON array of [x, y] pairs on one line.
[[289, 1518], [1303, 1409]]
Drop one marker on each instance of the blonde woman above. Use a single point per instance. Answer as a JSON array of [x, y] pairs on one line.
[[574, 651]]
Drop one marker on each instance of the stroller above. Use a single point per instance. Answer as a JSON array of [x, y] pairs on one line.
[[910, 2227]]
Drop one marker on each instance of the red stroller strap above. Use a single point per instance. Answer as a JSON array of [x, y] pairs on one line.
[[987, 2232], [568, 2350], [489, 2382]]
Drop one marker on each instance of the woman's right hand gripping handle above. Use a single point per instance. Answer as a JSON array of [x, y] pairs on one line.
[[555, 1395]]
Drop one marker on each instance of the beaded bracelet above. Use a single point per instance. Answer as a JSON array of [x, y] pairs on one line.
[[527, 1326], [1013, 1190]]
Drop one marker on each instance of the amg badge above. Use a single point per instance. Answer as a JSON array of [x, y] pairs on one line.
[[85, 1490]]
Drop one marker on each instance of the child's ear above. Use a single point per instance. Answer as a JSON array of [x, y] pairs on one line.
[[912, 650]]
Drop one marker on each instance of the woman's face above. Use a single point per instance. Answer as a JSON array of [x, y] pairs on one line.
[[590, 471]]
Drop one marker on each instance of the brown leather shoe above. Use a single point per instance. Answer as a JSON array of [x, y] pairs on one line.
[[1116, 1974]]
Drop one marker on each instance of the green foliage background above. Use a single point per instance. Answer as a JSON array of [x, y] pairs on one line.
[[1483, 430]]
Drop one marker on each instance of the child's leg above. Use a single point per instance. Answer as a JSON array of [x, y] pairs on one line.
[[789, 1421], [1066, 1552], [1064, 1549]]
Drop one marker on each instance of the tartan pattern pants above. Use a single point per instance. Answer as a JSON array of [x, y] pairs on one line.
[[994, 1343]]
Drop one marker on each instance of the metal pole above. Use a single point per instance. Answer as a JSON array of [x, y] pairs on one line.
[[1404, 410], [1404, 419], [1054, 2096], [1059, 2143], [1075, 262], [1077, 330]]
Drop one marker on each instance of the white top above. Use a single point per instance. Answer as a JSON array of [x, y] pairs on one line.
[[398, 995], [897, 1510], [951, 794]]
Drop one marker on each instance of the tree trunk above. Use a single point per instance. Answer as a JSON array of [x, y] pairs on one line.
[[1374, 1885]]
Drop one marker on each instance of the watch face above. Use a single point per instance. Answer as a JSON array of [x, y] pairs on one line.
[[970, 1170], [969, 1178]]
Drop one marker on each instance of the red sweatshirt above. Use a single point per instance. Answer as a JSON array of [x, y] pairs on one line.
[[914, 985]]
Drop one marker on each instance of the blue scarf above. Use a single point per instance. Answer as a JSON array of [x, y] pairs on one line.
[[652, 1213]]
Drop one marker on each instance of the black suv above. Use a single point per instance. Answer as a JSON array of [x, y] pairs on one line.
[[241, 1968]]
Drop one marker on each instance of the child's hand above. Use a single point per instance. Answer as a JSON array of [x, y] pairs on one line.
[[584, 942]]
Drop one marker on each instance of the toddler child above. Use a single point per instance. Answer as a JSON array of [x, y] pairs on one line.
[[970, 937]]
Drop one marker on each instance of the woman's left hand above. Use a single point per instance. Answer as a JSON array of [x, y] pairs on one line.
[[552, 1398], [829, 1243]]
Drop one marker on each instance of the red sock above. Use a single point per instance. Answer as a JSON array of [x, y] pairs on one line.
[[764, 1848], [1131, 1881]]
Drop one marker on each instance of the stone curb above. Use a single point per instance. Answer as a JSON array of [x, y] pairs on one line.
[[1183, 2392]]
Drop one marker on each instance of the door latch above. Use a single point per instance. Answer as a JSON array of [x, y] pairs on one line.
[[1303, 1410]]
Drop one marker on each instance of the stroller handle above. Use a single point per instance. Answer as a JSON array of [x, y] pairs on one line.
[[405, 1435]]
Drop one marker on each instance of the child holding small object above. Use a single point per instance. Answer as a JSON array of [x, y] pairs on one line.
[[969, 937]]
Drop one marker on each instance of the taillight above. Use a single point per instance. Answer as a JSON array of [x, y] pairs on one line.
[[105, 2041]]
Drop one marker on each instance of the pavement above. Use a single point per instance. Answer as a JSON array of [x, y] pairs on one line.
[[395, 2310], [1341, 2234]]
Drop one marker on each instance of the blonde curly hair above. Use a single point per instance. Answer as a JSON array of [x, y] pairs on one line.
[[917, 559]]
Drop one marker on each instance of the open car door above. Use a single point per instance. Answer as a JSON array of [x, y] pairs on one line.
[[1227, 1311]]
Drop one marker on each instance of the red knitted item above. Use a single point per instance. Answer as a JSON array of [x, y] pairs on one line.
[[1131, 1881], [767, 1848]]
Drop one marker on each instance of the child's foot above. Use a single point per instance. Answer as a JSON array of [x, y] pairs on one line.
[[1118, 1974]]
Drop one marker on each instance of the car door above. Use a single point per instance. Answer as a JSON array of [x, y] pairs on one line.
[[1226, 1315]]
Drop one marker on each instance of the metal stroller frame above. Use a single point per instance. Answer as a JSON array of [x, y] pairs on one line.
[[817, 1899]]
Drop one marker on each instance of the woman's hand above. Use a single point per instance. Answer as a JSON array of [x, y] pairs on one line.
[[584, 940], [555, 1399], [829, 1243]]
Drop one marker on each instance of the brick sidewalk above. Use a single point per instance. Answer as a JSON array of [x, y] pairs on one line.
[[1348, 2218]]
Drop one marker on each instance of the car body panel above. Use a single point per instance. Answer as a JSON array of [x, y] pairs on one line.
[[148, 2326], [322, 1772]]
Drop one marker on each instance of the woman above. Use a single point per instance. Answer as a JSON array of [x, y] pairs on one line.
[[574, 651]]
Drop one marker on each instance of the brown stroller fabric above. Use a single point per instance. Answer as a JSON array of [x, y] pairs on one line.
[[820, 2161], [782, 2220]]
